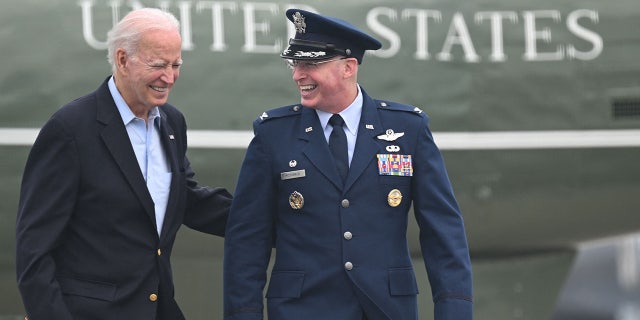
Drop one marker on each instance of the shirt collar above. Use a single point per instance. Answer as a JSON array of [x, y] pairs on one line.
[[124, 110], [351, 115]]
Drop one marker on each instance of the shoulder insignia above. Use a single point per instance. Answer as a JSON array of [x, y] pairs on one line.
[[280, 112], [394, 106]]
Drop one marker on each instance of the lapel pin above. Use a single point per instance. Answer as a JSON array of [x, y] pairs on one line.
[[369, 126], [308, 129], [293, 163], [171, 137]]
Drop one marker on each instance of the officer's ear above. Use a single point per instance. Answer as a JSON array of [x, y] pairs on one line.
[[350, 67]]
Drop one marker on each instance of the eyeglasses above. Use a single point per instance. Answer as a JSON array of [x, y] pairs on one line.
[[292, 64]]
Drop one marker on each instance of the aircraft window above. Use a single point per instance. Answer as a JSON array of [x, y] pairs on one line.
[[625, 108]]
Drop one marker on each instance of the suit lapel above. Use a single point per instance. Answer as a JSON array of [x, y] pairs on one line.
[[317, 149], [366, 144], [169, 144], [115, 137]]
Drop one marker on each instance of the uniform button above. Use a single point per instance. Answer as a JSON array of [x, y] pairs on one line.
[[345, 203], [348, 235], [348, 266], [159, 252], [153, 297]]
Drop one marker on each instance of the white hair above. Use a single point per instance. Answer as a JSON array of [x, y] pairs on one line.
[[127, 33]]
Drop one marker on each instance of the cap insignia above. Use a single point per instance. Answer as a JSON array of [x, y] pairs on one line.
[[298, 22], [310, 54]]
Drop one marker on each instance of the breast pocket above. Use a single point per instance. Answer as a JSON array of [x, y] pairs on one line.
[[394, 181]]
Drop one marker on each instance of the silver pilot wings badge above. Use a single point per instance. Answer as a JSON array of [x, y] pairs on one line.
[[390, 135]]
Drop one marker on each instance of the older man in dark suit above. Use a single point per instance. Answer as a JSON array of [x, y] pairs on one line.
[[330, 182], [107, 186]]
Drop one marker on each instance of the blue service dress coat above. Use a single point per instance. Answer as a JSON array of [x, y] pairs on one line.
[[343, 248], [87, 243]]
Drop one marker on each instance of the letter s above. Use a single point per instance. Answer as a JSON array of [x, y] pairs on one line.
[[384, 31], [586, 34]]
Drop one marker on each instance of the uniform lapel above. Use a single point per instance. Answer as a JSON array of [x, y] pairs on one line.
[[116, 139], [169, 144], [366, 144], [317, 149]]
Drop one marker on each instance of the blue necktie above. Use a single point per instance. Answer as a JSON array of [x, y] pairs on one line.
[[338, 146]]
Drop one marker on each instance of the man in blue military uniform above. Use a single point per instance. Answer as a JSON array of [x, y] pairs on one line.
[[329, 183]]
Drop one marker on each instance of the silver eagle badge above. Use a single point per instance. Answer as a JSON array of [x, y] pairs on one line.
[[298, 22]]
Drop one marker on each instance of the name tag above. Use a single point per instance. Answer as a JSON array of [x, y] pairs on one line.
[[395, 165], [292, 174]]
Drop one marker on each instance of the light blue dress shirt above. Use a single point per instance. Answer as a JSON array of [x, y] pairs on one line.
[[351, 117], [149, 152]]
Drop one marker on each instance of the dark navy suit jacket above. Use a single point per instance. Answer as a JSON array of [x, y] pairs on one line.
[[346, 246], [87, 244]]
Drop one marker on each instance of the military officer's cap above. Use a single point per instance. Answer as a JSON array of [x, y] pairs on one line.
[[321, 37]]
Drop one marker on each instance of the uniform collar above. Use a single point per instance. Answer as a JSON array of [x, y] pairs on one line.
[[351, 115]]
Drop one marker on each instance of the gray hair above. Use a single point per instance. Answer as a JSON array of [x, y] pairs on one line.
[[127, 33]]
